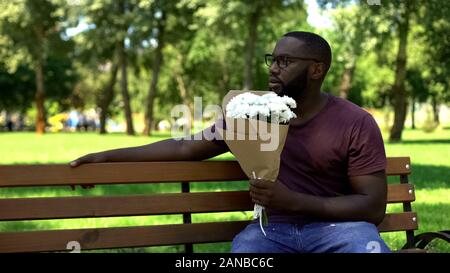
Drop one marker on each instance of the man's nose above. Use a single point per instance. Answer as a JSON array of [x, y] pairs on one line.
[[274, 69]]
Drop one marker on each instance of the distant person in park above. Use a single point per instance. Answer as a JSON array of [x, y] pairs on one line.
[[82, 122], [21, 123], [73, 120], [9, 123], [331, 190]]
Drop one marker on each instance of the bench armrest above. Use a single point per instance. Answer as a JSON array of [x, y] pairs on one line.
[[422, 240]]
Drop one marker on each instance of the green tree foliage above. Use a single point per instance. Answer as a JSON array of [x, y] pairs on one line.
[[31, 41], [145, 56], [408, 39]]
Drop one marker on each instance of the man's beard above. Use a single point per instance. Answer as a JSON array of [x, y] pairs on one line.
[[296, 87]]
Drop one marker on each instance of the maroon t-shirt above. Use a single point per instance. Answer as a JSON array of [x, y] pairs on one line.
[[339, 142]]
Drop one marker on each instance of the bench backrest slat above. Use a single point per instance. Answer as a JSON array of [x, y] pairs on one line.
[[119, 237], [119, 173], [399, 222], [140, 172], [399, 193], [157, 204], [99, 238]]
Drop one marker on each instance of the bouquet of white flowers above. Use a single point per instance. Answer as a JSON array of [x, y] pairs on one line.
[[256, 127], [268, 107]]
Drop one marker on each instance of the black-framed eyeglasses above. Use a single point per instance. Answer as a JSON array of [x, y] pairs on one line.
[[284, 61]]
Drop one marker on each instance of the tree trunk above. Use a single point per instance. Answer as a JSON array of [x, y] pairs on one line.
[[40, 99], [107, 97], [184, 97], [346, 81], [413, 112], [122, 59], [255, 15], [157, 64], [41, 116], [398, 90], [124, 87], [184, 94], [435, 107], [224, 81]]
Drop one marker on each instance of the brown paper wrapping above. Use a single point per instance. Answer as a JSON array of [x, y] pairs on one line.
[[256, 144]]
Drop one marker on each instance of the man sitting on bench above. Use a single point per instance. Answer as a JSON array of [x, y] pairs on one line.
[[331, 190]]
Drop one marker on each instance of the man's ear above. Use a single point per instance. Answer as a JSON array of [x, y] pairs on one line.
[[317, 71]]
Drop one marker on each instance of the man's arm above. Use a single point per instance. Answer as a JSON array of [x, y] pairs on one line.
[[165, 150], [367, 203]]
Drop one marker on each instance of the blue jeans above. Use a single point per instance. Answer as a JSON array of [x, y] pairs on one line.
[[320, 237]]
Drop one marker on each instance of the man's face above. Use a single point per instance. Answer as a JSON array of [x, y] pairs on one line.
[[291, 80]]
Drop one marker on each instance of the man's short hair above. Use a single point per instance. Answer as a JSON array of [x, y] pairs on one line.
[[314, 45]]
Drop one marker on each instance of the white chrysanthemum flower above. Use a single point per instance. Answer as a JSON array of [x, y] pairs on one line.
[[264, 111], [289, 101]]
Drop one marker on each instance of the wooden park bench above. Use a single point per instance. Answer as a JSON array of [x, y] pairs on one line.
[[185, 203]]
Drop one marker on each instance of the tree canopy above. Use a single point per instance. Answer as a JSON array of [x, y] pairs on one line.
[[131, 57]]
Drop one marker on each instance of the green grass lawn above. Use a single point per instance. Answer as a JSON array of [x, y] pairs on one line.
[[430, 155]]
